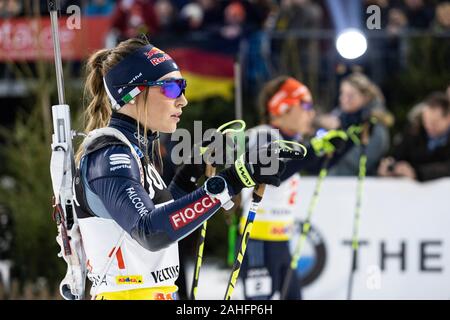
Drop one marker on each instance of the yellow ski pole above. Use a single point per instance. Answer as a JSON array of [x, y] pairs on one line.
[[209, 172], [364, 131], [256, 199], [322, 146]]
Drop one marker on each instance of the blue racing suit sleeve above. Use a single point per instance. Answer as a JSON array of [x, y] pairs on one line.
[[113, 175], [176, 191]]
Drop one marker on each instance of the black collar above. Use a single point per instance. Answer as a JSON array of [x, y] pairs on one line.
[[128, 126]]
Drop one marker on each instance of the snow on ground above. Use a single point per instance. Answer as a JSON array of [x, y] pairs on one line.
[[213, 282]]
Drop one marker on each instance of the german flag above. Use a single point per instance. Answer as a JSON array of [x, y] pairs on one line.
[[208, 74]]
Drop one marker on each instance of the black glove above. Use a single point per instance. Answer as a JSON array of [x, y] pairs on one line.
[[209, 151], [260, 166], [188, 175]]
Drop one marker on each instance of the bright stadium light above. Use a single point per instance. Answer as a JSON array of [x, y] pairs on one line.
[[351, 44]]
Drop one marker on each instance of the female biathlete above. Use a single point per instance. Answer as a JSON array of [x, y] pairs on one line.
[[129, 219], [287, 113]]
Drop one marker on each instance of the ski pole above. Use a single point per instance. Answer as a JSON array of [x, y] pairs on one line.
[[209, 172], [322, 146], [256, 199], [357, 216], [232, 229], [305, 229]]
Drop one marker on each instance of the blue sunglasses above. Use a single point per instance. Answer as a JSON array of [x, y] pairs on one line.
[[171, 88]]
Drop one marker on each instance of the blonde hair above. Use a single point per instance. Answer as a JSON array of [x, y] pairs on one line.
[[367, 88], [98, 112]]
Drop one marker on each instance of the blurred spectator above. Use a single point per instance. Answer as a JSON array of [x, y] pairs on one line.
[[397, 21], [10, 8], [133, 17], [191, 16], [359, 99], [256, 64], [99, 8], [167, 15], [179, 4], [298, 55], [299, 15], [419, 14], [263, 10], [442, 18], [212, 13], [424, 152], [415, 115], [234, 19]]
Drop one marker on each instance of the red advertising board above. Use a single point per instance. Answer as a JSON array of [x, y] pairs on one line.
[[28, 39]]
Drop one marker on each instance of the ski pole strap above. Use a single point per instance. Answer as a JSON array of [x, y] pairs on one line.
[[291, 149], [243, 173], [224, 128], [236, 131], [359, 133], [354, 133]]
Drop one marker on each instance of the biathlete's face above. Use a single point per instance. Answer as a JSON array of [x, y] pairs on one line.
[[164, 104]]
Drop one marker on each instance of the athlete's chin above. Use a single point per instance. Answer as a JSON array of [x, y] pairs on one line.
[[171, 128]]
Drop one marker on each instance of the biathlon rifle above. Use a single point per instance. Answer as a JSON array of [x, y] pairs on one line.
[[62, 169]]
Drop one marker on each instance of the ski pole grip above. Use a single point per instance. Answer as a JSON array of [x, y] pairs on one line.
[[258, 193], [210, 171], [53, 5]]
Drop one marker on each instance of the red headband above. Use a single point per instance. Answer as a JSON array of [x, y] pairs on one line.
[[290, 93]]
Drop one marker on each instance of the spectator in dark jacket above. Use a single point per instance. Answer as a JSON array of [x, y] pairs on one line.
[[359, 100], [420, 13], [424, 152]]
